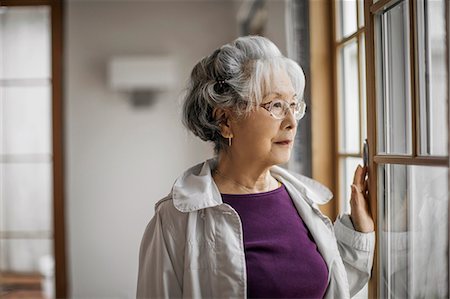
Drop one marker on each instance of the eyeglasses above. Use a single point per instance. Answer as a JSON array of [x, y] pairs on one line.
[[278, 109]]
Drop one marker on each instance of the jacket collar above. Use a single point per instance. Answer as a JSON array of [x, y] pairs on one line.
[[195, 189]]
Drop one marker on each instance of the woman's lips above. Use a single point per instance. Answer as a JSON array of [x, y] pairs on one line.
[[283, 142]]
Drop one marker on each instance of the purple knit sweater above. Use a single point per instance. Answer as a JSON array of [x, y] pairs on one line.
[[281, 256]]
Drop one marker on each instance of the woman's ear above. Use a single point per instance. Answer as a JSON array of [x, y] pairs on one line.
[[224, 118]]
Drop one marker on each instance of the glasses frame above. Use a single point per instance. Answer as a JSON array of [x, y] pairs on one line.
[[286, 106]]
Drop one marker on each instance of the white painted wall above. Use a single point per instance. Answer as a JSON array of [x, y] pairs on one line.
[[119, 160]]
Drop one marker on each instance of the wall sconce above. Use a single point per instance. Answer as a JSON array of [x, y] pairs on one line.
[[143, 77]]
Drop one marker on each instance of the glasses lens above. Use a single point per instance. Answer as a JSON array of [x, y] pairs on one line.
[[278, 109], [300, 110]]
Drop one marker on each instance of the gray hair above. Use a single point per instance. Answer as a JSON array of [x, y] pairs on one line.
[[245, 66]]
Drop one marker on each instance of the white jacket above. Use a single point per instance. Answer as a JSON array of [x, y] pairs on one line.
[[193, 246]]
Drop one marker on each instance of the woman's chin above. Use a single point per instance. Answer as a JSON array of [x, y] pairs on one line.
[[282, 158]]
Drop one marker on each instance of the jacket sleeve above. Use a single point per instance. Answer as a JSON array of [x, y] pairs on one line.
[[159, 273], [357, 250]]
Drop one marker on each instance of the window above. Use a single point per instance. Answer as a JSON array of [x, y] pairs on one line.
[[407, 92], [349, 37], [31, 204]]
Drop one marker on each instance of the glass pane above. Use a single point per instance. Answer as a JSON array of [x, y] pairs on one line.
[[362, 51], [23, 255], [361, 13], [413, 227], [26, 198], [349, 141], [393, 77], [26, 209], [25, 42], [348, 167], [26, 120], [346, 12], [433, 77], [2, 138]]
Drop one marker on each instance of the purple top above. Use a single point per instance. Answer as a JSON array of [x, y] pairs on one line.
[[281, 256]]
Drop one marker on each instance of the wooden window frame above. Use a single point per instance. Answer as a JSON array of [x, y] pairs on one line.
[[337, 45], [370, 11], [59, 243]]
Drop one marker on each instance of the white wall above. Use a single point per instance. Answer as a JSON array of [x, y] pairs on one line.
[[120, 160]]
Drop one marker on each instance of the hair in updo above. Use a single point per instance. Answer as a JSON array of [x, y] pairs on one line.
[[234, 76]]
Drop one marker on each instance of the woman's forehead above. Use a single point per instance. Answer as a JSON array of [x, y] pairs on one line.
[[281, 94], [278, 83]]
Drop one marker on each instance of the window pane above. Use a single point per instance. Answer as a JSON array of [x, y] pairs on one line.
[[26, 198], [349, 126], [433, 77], [25, 43], [26, 120], [413, 227], [348, 167], [393, 87], [346, 12], [361, 13], [362, 51], [23, 255]]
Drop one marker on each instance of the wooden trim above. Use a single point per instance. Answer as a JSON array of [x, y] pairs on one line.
[[382, 5], [371, 114], [58, 150], [26, 2], [414, 77], [322, 92], [349, 38], [409, 160], [335, 105]]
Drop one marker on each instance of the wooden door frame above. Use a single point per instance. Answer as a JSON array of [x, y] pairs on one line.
[[59, 239]]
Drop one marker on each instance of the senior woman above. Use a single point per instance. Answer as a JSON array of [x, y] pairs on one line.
[[238, 225]]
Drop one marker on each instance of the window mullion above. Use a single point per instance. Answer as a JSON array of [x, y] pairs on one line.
[[414, 86]]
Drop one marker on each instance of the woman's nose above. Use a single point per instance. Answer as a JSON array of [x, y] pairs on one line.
[[289, 120]]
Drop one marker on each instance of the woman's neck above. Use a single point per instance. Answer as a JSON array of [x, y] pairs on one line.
[[240, 176]]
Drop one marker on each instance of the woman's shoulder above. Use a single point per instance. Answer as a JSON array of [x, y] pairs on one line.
[[167, 216], [312, 189], [165, 208]]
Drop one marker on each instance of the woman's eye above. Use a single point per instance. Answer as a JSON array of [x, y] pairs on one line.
[[277, 105]]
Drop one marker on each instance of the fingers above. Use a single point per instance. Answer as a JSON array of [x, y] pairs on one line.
[[360, 175], [360, 186], [355, 189]]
